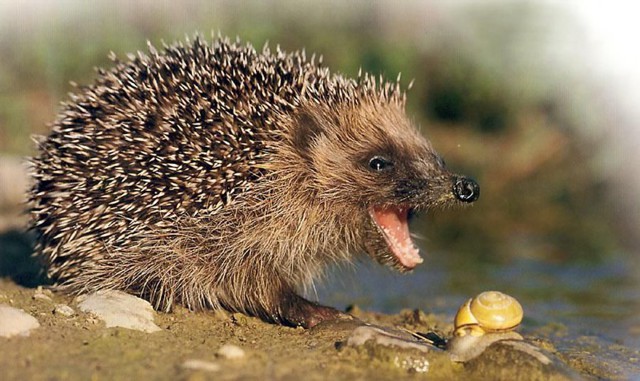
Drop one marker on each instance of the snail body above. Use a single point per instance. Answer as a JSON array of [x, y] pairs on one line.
[[490, 311]]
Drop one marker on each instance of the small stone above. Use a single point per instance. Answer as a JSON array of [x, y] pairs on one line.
[[15, 322], [510, 359], [119, 309], [63, 310], [206, 366], [41, 294], [230, 352], [386, 337], [394, 347]]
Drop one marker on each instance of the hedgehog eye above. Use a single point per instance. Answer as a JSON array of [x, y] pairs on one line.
[[379, 164]]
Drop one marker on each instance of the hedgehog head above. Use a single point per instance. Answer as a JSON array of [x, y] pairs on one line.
[[371, 165]]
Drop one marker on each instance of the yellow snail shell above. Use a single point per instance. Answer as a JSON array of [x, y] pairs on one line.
[[490, 311]]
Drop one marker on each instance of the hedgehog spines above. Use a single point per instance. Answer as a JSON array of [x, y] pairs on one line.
[[174, 161]]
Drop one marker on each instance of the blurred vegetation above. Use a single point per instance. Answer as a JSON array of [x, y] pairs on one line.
[[486, 94]]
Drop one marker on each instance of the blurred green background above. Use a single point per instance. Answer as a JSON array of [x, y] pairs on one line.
[[489, 93]]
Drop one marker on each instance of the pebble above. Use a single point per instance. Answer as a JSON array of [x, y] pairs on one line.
[[14, 322], [201, 365], [119, 309], [510, 359], [40, 294], [231, 352], [385, 337], [64, 310], [393, 347]]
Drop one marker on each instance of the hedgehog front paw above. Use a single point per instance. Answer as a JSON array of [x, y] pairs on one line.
[[296, 311]]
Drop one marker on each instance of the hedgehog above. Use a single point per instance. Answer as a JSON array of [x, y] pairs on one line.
[[215, 176]]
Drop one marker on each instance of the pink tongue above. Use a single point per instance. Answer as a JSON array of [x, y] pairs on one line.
[[394, 224]]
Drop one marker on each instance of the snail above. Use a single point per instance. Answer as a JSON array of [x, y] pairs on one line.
[[489, 312], [490, 320]]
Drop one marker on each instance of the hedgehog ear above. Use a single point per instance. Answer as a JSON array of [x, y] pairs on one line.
[[307, 130]]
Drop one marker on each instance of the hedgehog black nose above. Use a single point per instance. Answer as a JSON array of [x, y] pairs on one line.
[[465, 189]]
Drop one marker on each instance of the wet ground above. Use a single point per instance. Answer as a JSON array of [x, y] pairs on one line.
[[600, 299], [589, 311]]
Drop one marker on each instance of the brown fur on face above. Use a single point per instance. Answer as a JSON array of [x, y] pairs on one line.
[[339, 147], [344, 142]]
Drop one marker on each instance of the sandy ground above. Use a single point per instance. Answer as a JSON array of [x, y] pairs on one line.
[[80, 347]]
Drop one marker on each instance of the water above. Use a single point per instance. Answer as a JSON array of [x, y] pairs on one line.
[[600, 300]]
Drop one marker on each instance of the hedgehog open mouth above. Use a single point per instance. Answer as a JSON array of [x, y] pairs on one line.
[[393, 223]]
